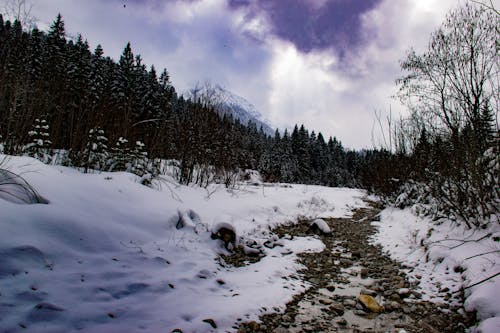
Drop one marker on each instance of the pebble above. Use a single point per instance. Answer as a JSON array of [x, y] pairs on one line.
[[342, 322], [349, 303], [337, 308], [325, 301], [368, 292]]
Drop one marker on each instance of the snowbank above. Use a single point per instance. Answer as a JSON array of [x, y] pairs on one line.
[[108, 254], [443, 258]]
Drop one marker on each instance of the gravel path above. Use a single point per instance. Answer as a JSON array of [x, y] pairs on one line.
[[350, 267]]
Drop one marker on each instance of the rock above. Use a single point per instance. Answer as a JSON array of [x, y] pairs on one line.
[[250, 251], [349, 303], [211, 322], [319, 225], [400, 284], [281, 330], [444, 290], [325, 301], [226, 233], [368, 292], [404, 292], [337, 308], [395, 305], [364, 273], [253, 326], [342, 322], [395, 297], [344, 262], [370, 303], [356, 254], [330, 288]]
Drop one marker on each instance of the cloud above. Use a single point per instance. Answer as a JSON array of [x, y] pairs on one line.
[[312, 24], [339, 95]]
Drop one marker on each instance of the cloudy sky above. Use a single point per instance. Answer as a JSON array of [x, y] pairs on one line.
[[329, 64]]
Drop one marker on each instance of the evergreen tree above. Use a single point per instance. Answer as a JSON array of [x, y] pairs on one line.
[[96, 151], [40, 142]]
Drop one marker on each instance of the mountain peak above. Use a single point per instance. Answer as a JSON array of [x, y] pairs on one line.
[[228, 103]]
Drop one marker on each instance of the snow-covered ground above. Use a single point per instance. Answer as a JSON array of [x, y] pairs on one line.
[[447, 257], [107, 254]]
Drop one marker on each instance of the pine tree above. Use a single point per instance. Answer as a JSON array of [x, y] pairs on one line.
[[96, 151], [40, 142], [138, 163]]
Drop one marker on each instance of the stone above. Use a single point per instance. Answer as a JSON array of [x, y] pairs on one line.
[[404, 292], [395, 297], [349, 303], [330, 288], [253, 326], [395, 305], [368, 292], [370, 303], [364, 273], [342, 322], [325, 301], [337, 308]]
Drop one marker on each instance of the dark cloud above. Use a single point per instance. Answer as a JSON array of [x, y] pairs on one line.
[[312, 24]]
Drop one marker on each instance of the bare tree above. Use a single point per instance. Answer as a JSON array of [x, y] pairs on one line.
[[19, 10], [456, 79], [488, 5]]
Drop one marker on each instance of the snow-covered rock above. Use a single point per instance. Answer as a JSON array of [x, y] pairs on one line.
[[321, 225]]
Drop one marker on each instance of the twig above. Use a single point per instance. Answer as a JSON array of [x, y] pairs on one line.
[[458, 240], [481, 254], [483, 280]]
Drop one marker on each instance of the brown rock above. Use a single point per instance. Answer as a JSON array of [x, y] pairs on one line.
[[370, 303]]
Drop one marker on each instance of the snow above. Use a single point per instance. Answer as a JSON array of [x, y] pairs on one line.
[[107, 254], [442, 256]]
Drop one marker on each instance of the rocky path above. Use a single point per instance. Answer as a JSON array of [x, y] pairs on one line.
[[356, 288]]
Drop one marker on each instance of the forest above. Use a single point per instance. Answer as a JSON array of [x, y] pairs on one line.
[[65, 104]]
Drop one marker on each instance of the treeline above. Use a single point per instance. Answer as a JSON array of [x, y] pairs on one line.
[[98, 114]]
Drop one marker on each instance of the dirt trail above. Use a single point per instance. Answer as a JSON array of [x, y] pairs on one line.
[[350, 266]]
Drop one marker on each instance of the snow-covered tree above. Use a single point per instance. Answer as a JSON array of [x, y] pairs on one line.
[[119, 155], [96, 151], [40, 142], [138, 163]]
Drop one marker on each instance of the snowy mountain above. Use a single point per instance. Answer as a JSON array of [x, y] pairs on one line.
[[229, 103]]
